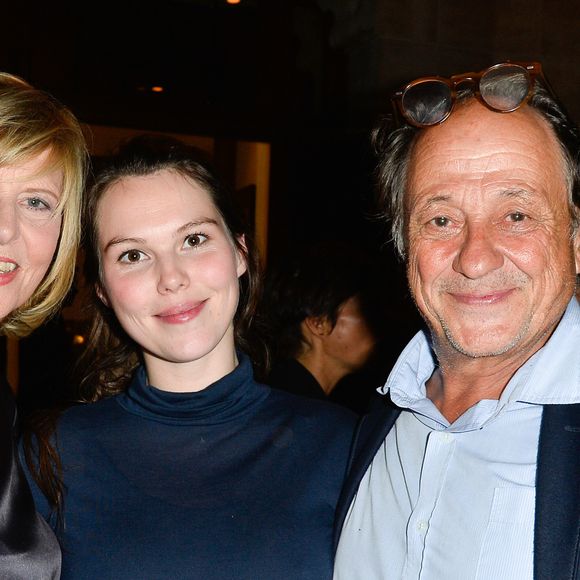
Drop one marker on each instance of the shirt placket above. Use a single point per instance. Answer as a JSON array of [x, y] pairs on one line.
[[439, 450]]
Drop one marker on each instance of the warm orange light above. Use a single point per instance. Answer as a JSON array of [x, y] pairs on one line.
[[233, 1], [78, 339], [157, 89]]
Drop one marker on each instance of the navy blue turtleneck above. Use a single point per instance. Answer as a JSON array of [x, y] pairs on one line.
[[237, 481]]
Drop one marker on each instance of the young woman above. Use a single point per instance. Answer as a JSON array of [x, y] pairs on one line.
[[42, 160], [184, 466]]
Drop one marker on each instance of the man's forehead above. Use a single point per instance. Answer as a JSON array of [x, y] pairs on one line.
[[487, 155], [475, 139]]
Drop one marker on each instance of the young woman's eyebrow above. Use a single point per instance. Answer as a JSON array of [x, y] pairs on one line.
[[196, 224], [117, 241]]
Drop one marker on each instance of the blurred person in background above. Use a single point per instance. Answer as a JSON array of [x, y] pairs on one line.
[[322, 317]]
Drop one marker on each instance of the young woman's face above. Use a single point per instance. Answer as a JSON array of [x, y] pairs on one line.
[[169, 268], [29, 228]]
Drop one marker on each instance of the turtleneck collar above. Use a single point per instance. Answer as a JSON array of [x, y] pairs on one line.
[[229, 398]]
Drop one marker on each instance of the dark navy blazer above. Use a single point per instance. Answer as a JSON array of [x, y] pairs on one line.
[[557, 519]]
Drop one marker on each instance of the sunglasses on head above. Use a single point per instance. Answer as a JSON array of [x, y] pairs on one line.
[[503, 88]]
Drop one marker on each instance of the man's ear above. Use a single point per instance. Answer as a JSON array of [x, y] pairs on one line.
[[102, 294], [318, 325], [576, 239], [577, 251], [241, 256]]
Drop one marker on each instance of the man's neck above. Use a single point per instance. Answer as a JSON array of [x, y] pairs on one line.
[[461, 382]]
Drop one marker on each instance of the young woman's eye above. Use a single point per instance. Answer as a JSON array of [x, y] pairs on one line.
[[131, 257], [194, 240]]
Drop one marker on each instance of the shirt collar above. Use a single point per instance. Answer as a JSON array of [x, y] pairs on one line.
[[555, 375], [551, 376]]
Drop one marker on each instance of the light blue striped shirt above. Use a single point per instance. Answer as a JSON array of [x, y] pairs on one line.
[[456, 501]]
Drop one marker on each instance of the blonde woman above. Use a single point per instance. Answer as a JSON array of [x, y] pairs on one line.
[[42, 165]]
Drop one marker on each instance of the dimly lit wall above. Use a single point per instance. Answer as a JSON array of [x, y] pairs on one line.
[[383, 43]]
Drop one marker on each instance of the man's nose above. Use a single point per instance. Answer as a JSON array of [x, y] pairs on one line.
[[478, 253]]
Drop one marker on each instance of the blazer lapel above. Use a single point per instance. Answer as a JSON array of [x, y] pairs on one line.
[[369, 436], [557, 521]]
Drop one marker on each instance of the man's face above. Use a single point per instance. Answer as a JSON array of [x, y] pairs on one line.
[[491, 252]]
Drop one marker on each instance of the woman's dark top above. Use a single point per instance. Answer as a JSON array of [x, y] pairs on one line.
[[238, 481], [28, 548]]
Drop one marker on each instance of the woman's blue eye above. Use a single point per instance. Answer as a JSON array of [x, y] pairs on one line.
[[194, 240], [37, 204]]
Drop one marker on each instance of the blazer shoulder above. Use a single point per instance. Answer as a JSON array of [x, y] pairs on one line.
[[557, 521]]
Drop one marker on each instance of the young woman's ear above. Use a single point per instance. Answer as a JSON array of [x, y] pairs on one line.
[[102, 295], [241, 259]]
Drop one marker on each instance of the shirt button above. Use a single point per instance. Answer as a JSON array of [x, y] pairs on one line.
[[446, 437], [422, 526]]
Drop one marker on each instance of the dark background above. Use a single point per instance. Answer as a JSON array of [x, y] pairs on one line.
[[311, 77]]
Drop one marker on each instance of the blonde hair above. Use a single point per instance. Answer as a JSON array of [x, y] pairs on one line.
[[32, 122]]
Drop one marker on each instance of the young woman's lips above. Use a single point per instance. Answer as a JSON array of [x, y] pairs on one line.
[[182, 313], [8, 270]]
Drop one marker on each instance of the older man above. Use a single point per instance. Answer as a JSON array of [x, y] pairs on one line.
[[470, 467]]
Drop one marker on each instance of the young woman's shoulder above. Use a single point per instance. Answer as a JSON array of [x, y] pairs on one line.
[[88, 416]]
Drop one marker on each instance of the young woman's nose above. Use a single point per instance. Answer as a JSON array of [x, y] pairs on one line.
[[172, 277]]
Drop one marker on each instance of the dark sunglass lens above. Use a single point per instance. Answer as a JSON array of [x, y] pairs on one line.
[[504, 88], [427, 103]]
